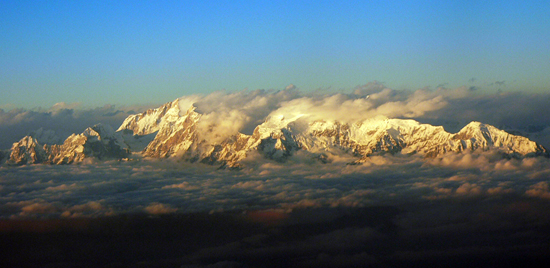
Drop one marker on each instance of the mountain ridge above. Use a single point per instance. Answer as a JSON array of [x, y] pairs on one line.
[[175, 131]]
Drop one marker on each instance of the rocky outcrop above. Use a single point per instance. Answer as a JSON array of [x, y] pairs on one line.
[[27, 151], [152, 120], [99, 142]]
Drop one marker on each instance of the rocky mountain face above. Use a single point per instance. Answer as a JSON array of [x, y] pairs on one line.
[[170, 131], [99, 141], [152, 120], [27, 151]]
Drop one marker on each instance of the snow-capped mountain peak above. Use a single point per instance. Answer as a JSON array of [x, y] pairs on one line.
[[152, 120], [177, 129]]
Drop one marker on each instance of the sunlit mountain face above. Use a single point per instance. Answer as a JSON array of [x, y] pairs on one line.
[[227, 129], [282, 179]]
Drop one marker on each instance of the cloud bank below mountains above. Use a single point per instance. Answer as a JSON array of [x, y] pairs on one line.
[[158, 187], [389, 211]]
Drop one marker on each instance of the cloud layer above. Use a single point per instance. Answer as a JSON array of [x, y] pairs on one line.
[[391, 210], [159, 187]]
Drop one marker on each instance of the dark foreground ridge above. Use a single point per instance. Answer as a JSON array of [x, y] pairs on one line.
[[413, 235]]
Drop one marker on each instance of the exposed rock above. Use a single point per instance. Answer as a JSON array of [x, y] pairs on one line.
[[99, 142], [27, 151]]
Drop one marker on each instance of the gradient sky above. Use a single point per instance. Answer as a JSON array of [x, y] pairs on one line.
[[128, 52]]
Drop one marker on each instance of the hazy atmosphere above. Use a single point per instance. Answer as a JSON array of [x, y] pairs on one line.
[[245, 134]]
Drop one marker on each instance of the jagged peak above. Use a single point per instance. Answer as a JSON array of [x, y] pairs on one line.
[[152, 120], [99, 130], [164, 107], [27, 141], [26, 150]]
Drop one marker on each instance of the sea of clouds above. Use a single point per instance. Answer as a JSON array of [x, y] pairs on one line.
[[94, 189], [392, 210]]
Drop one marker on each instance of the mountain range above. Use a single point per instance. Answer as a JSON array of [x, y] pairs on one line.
[[171, 131]]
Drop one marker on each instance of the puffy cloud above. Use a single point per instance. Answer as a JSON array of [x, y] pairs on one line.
[[164, 186], [226, 113], [499, 191], [89, 209], [41, 208], [62, 187], [539, 190], [468, 189], [351, 108]]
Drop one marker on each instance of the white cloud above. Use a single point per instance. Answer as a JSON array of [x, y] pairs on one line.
[[226, 113], [352, 108]]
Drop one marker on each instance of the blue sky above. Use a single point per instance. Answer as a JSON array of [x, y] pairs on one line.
[[138, 52]]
